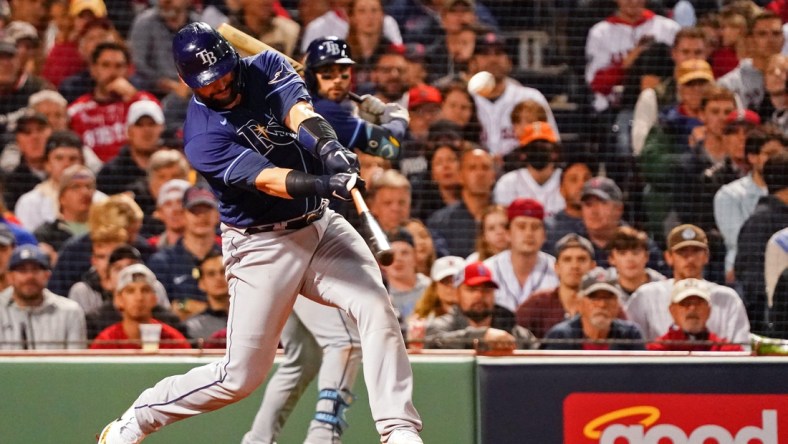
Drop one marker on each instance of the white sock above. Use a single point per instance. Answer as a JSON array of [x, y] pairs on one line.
[[129, 427]]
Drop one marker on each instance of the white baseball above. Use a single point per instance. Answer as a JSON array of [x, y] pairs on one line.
[[482, 83]]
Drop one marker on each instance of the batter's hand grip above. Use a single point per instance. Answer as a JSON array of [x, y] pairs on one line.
[[378, 242]]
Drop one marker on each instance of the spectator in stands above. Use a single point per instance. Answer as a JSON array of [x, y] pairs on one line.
[[477, 321], [135, 298], [28, 47], [99, 116], [94, 292], [15, 86], [775, 81], [602, 209], [687, 254], [776, 279], [259, 19], [33, 317], [628, 257], [457, 26], [458, 107], [493, 235], [689, 44], [389, 76], [95, 31], [7, 244], [444, 185], [708, 148], [214, 284], [405, 283], [33, 12], [366, 39], [175, 265], [735, 201], [733, 33], [545, 308], [39, 205], [335, 22], [389, 199], [495, 108], [62, 37], [152, 59], [144, 124], [164, 165], [169, 210], [118, 212], [766, 39], [75, 193], [441, 295], [457, 223], [613, 44], [31, 134], [690, 308], [523, 269], [668, 140], [52, 105], [424, 106], [769, 217], [595, 327], [423, 243], [574, 176], [538, 179]]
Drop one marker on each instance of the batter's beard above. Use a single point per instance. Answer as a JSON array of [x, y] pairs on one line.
[[478, 315], [212, 103]]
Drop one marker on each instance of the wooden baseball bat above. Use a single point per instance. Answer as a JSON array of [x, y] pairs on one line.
[[377, 239], [251, 45]]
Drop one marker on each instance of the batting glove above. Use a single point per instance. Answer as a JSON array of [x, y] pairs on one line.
[[394, 111], [339, 185], [371, 105], [338, 159]]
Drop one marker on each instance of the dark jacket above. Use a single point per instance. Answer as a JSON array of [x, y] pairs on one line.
[[453, 330], [573, 329]]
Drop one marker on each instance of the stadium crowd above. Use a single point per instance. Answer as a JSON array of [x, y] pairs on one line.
[[622, 184]]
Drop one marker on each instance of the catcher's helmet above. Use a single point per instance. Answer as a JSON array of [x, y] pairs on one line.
[[323, 52], [202, 55]]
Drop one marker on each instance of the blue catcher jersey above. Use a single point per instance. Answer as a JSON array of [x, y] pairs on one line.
[[230, 147]]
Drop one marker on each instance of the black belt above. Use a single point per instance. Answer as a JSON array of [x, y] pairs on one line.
[[292, 224]]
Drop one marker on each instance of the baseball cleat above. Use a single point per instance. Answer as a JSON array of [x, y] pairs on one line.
[[112, 434], [404, 436]]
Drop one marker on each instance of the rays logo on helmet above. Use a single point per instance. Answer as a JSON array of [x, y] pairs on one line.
[[207, 57], [332, 48]]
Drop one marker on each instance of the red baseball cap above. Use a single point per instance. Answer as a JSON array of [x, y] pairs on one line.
[[525, 207], [422, 95], [474, 275], [744, 116]]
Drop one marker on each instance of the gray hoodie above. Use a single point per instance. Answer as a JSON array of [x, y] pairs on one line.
[[58, 323]]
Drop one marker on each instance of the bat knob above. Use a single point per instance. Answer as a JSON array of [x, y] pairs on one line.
[[385, 257]]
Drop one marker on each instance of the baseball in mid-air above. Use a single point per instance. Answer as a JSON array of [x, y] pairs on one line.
[[482, 83]]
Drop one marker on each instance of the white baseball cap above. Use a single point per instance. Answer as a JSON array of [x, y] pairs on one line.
[[690, 287], [142, 108], [135, 273], [446, 266], [172, 190]]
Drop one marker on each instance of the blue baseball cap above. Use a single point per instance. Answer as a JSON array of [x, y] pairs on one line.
[[29, 253]]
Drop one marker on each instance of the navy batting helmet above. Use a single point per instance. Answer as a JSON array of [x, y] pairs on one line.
[[202, 55], [323, 52]]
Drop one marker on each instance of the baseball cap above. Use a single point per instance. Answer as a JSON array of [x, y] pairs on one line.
[[97, 7], [525, 207], [489, 42], [400, 235], [30, 116], [603, 188], [8, 47], [743, 117], [599, 280], [415, 52], [573, 240], [198, 195], [135, 273], [538, 131], [7, 238], [60, 139], [142, 108], [446, 266], [448, 4], [693, 69], [422, 95], [173, 189], [28, 253], [687, 235], [474, 274], [73, 173], [690, 287], [125, 251], [19, 30]]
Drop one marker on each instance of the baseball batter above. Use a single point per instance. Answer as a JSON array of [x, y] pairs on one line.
[[314, 330], [272, 161]]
